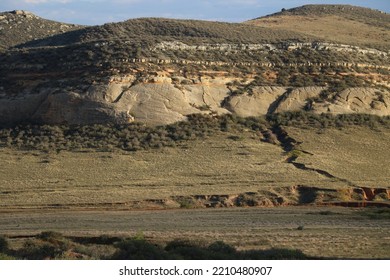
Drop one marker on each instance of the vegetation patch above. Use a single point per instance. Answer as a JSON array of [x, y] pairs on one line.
[[135, 248], [377, 214], [303, 119], [136, 136], [132, 137]]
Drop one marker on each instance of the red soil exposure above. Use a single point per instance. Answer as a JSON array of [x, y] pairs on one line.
[[371, 193]]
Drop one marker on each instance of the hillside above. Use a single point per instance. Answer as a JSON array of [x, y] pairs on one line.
[[19, 27], [101, 126], [336, 23], [151, 30], [158, 71]]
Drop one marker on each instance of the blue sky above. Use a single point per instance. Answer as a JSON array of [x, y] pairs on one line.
[[91, 12]]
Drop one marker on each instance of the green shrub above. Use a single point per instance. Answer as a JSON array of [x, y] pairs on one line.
[[188, 250], [294, 154], [327, 213], [222, 247], [134, 137], [101, 240], [377, 214], [3, 244], [39, 251], [308, 119], [137, 249], [5, 257], [235, 137], [50, 235]]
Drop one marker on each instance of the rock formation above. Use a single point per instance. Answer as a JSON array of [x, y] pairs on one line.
[[124, 72]]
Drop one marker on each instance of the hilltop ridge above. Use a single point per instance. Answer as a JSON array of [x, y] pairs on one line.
[[338, 23], [19, 27], [335, 9], [153, 30]]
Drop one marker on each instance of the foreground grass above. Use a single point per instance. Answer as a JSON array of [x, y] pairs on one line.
[[53, 245]]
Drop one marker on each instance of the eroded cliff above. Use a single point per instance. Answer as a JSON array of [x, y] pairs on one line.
[[126, 72]]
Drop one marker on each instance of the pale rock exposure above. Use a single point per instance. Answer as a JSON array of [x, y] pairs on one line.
[[159, 100]]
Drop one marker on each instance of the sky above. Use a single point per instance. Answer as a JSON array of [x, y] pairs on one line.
[[93, 12]]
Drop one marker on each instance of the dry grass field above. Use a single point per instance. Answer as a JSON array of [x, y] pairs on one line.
[[216, 165], [333, 23], [328, 28], [358, 155]]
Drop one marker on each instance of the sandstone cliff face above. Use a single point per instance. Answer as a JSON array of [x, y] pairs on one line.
[[73, 108], [260, 102], [160, 100], [297, 99], [358, 100]]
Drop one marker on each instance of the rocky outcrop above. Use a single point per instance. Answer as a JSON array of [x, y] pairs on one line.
[[73, 108], [297, 99], [357, 100], [139, 71], [257, 103], [321, 46], [162, 99]]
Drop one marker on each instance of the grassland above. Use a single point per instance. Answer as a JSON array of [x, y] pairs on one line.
[[355, 154], [360, 25], [216, 165], [327, 28], [120, 167], [285, 160]]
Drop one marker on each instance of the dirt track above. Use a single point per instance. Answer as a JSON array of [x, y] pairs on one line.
[[329, 232]]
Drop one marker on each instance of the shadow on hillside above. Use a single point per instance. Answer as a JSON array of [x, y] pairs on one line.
[[53, 245], [58, 40]]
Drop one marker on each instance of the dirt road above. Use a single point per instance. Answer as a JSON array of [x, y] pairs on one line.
[[335, 231]]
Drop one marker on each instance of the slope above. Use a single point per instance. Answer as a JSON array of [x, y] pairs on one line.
[[18, 27], [338, 23], [152, 30]]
